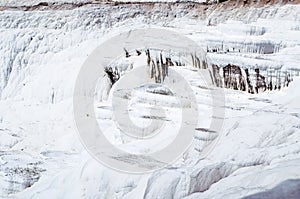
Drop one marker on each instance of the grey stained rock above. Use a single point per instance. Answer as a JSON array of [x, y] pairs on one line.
[[287, 189]]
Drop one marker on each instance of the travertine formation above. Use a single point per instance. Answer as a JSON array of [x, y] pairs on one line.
[[251, 80]]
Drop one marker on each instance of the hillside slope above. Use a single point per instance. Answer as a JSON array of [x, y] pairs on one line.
[[43, 50]]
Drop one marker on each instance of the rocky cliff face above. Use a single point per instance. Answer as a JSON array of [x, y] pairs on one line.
[[45, 30]]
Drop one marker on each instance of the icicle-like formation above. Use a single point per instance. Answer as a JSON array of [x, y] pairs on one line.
[[159, 61], [262, 47], [252, 80]]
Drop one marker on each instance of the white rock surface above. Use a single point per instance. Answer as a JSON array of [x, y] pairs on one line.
[[41, 154]]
